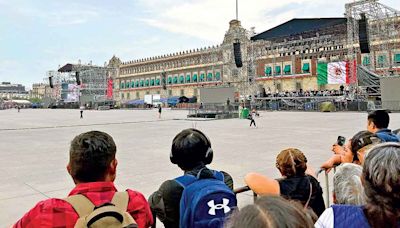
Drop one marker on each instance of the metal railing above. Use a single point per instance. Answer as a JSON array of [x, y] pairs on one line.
[[339, 103]]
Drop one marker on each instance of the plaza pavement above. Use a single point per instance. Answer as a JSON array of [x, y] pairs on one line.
[[34, 147]]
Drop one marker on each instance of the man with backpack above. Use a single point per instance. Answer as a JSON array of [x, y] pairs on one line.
[[201, 197], [94, 202]]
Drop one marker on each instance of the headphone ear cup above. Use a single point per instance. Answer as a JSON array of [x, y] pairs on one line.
[[172, 158], [209, 156]]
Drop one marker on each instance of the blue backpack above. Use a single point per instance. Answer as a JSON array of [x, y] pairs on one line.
[[205, 202]]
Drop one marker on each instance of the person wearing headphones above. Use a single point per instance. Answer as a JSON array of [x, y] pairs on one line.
[[191, 151], [353, 151]]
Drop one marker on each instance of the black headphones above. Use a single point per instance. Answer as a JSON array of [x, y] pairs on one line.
[[208, 157]]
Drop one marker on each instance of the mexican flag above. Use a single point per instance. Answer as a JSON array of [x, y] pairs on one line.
[[335, 73]]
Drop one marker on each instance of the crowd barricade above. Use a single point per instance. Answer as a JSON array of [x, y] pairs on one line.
[[245, 189], [326, 191], [317, 103]]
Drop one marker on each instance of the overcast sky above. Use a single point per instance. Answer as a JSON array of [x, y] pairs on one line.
[[37, 36]]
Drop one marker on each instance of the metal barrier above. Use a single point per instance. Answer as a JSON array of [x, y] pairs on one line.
[[245, 189], [327, 192], [314, 103]]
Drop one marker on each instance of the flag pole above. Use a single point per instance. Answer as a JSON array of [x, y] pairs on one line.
[[237, 11]]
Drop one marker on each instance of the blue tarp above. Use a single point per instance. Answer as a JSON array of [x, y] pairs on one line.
[[135, 102], [173, 100]]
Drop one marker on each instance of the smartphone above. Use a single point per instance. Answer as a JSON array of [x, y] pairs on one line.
[[341, 140]]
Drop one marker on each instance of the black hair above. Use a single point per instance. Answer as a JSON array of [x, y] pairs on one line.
[[189, 149], [90, 156], [380, 118]]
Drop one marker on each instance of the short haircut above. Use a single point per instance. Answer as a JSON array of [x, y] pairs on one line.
[[347, 184], [270, 211], [189, 148], [90, 155], [291, 162], [380, 118]]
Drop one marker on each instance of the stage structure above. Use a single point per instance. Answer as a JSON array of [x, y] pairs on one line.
[[84, 84], [380, 35]]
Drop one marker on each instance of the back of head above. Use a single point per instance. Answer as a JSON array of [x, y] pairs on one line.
[[291, 162], [191, 148], [362, 139], [380, 118], [381, 174], [270, 211], [347, 185], [90, 156]]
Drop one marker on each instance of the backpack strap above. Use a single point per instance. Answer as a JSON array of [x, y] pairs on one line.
[[219, 175], [121, 200], [189, 179], [185, 180], [81, 204]]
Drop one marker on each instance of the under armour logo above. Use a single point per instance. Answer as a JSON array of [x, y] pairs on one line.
[[214, 207]]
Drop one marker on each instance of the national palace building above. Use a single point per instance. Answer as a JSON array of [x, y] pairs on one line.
[[283, 58]]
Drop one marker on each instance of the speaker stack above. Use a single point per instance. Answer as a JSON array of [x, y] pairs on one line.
[[363, 34], [51, 82], [238, 54], [78, 80]]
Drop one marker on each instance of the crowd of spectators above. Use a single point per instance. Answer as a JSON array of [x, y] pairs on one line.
[[366, 187]]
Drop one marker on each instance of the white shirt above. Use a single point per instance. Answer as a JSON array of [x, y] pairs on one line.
[[326, 220]]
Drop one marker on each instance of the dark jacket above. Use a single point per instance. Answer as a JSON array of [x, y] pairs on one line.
[[298, 188], [165, 201], [386, 135]]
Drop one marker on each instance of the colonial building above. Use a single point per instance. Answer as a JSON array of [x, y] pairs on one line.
[[283, 58]]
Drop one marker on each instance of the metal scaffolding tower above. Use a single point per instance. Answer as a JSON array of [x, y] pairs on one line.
[[383, 31]]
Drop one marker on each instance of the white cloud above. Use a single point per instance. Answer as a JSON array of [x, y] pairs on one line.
[[208, 19]]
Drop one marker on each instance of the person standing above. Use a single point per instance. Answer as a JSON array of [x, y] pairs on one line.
[[159, 111], [252, 117], [19, 108], [81, 110]]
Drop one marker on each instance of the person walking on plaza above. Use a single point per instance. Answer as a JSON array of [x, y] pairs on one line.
[[252, 117], [19, 108], [81, 110], [159, 111], [94, 199]]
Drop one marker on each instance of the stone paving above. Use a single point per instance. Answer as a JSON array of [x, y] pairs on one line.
[[34, 147]]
